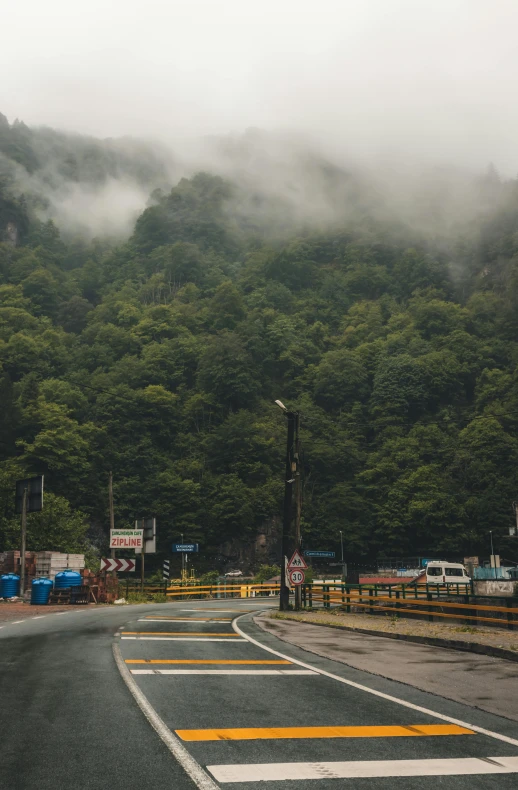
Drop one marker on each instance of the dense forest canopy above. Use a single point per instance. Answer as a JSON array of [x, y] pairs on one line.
[[159, 357]]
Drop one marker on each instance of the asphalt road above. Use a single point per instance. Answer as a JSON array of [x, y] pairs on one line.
[[101, 697], [478, 681]]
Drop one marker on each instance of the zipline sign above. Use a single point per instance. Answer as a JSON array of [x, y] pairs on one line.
[[126, 538]]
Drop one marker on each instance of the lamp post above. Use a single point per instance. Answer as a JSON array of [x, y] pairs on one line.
[[290, 477], [342, 549]]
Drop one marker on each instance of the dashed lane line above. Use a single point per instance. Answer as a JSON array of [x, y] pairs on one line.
[[280, 733], [366, 769], [389, 697]]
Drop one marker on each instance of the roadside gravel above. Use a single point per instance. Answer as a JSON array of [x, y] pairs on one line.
[[493, 637]]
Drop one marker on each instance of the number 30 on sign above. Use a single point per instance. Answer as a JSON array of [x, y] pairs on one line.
[[297, 577]]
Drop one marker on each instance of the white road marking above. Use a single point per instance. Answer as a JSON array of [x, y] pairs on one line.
[[183, 639], [276, 772], [15, 622], [381, 694], [38, 617], [57, 614], [235, 672], [192, 768], [171, 620]]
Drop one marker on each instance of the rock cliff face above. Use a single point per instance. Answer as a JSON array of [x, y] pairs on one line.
[[11, 234], [263, 549]]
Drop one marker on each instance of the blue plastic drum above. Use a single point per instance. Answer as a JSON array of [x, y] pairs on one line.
[[40, 591], [9, 585], [67, 579]]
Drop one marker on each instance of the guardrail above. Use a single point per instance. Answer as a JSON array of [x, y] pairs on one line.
[[218, 590], [222, 590], [375, 601]]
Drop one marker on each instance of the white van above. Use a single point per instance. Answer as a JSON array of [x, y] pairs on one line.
[[442, 572]]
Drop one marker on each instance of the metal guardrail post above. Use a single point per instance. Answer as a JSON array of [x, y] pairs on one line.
[[371, 606], [326, 597], [311, 597], [397, 599], [509, 615], [348, 605], [430, 608], [469, 614]]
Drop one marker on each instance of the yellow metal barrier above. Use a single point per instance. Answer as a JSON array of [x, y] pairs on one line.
[[406, 606]]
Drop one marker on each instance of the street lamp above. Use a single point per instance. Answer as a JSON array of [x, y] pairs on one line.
[[291, 480], [493, 561]]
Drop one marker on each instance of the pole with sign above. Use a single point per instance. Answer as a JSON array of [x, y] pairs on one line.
[[148, 527], [184, 549]]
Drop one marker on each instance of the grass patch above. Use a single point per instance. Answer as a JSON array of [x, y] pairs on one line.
[[139, 597]]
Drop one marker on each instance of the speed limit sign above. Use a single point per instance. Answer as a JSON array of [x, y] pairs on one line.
[[297, 577]]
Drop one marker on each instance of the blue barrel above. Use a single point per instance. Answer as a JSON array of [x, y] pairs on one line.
[[40, 591], [9, 585], [67, 579]]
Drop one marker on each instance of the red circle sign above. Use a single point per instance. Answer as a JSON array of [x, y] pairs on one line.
[[297, 577]]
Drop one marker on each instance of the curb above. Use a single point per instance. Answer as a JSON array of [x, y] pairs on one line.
[[451, 644]]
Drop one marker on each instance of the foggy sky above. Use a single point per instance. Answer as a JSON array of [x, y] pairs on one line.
[[423, 79]]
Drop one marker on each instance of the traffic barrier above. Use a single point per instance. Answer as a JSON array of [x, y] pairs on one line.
[[371, 599]]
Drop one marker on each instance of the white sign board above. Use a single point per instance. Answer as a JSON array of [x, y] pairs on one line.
[[126, 539]]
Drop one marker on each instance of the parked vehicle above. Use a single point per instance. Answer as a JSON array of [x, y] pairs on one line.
[[234, 573], [443, 572]]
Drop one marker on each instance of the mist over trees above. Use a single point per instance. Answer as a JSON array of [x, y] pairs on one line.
[[159, 356]]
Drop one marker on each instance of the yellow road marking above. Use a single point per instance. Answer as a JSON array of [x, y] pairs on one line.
[[199, 661], [256, 733], [179, 633]]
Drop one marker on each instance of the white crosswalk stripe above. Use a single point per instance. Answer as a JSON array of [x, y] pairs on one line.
[[365, 769], [235, 672], [184, 639]]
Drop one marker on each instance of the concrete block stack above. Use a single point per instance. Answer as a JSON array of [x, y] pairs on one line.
[[49, 563]]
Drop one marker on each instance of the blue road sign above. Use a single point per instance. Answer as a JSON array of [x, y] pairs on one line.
[[184, 548], [329, 554]]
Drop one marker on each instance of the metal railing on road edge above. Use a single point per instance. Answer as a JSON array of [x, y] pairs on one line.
[[375, 601]]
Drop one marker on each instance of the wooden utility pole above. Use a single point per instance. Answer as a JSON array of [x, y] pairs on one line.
[[296, 467], [112, 514], [287, 537], [24, 541]]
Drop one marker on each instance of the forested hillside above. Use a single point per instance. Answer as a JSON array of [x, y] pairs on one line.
[[160, 359]]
